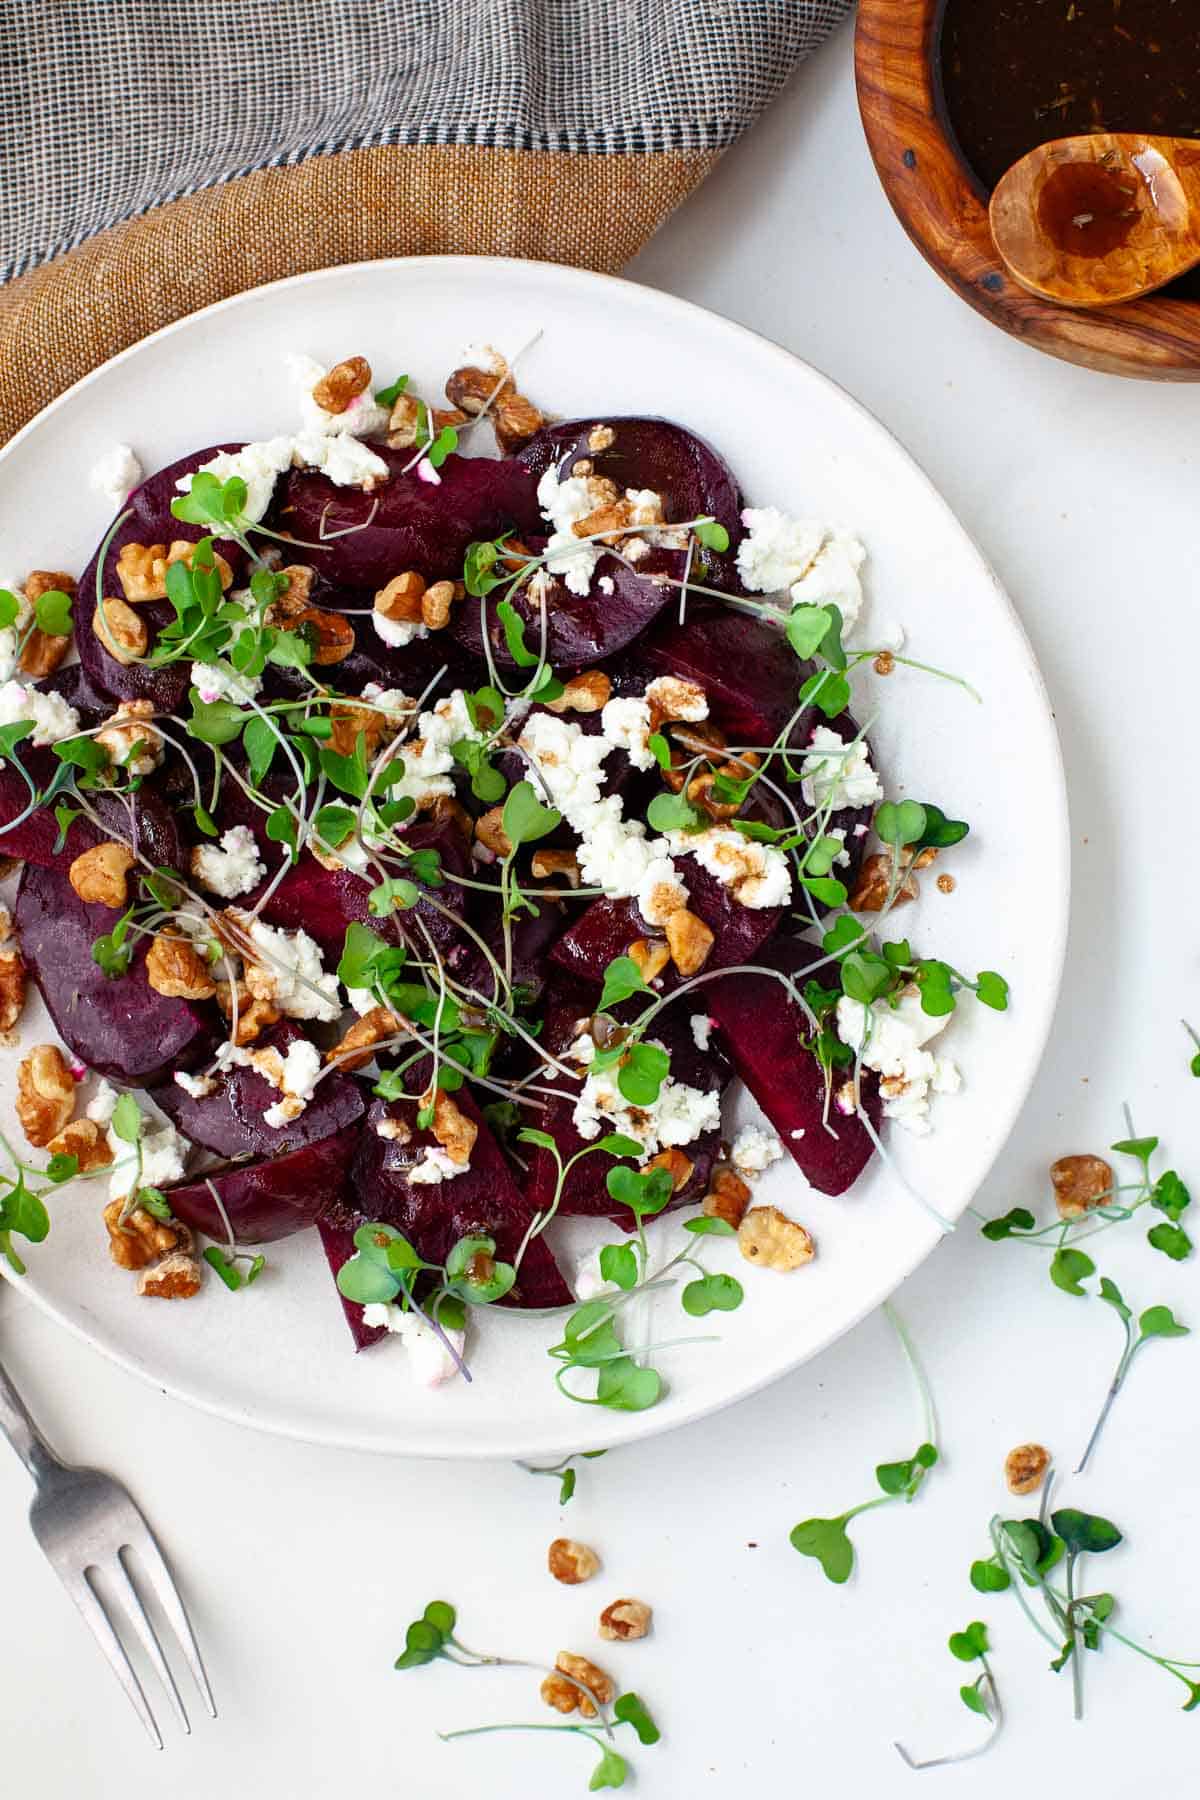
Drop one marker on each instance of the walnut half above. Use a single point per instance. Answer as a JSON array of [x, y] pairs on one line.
[[45, 1094], [773, 1241]]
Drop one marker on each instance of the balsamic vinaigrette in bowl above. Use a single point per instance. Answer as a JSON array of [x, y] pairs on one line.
[[1015, 73]]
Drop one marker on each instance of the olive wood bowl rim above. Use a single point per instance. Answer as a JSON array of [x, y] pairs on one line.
[[943, 207]]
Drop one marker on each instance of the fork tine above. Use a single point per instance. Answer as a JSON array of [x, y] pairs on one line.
[[92, 1608], [139, 1619], [155, 1565]]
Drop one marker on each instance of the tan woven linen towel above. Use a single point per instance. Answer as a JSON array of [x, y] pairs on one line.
[[163, 154]]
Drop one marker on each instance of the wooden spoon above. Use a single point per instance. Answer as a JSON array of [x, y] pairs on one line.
[[1088, 221]]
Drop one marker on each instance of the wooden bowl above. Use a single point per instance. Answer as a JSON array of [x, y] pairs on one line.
[[943, 208]]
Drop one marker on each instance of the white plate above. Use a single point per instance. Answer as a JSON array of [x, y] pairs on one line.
[[279, 1356]]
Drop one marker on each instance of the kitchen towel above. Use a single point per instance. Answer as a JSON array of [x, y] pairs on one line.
[[158, 155]]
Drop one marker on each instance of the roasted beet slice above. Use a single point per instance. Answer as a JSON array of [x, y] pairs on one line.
[[608, 927], [765, 1033], [323, 901], [146, 820], [585, 1192], [582, 629], [120, 1027], [230, 1119], [749, 671], [435, 1215], [406, 523], [150, 522], [272, 1199]]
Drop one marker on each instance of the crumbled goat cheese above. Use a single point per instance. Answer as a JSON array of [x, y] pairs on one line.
[[292, 970], [607, 585], [838, 774], [11, 635], [588, 1282], [428, 758], [436, 1165], [393, 703], [221, 681], [116, 473], [198, 1086], [232, 869], [755, 1150], [626, 723], [895, 1037], [679, 1115], [776, 550], [757, 875], [362, 1000], [103, 1103], [702, 1027], [429, 1361], [347, 461], [163, 1151], [833, 576], [399, 633], [842, 859], [301, 1067], [52, 718], [258, 465], [615, 854], [563, 504]]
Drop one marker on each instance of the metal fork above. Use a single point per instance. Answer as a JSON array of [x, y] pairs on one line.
[[87, 1523]]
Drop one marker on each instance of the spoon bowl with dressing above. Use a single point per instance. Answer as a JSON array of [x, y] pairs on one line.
[[1099, 219]]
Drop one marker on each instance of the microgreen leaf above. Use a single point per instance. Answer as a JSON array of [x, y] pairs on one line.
[[618, 1264], [630, 1709], [622, 978], [712, 535], [901, 824], [514, 635], [674, 812], [806, 627], [524, 818], [642, 1073], [1172, 1240], [52, 610], [127, 1119], [389, 395], [712, 1293], [1017, 1220], [969, 1644], [826, 1540], [1160, 1321], [1070, 1268]]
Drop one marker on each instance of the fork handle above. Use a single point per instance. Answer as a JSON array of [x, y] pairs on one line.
[[16, 1422]]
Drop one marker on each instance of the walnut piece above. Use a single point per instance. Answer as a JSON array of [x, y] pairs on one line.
[[402, 426], [571, 1562], [48, 581], [515, 420], [400, 600], [175, 968], [120, 631], [768, 1237], [651, 956], [490, 832], [562, 1695], [470, 389], [12, 988], [361, 1038], [555, 865], [1080, 1183], [1025, 1468], [728, 1195], [677, 1165], [176, 1277], [348, 720], [45, 1094], [689, 940], [98, 875], [140, 1239], [585, 693], [452, 1128], [142, 568], [625, 1620], [129, 738], [332, 633], [344, 383], [870, 891], [589, 1676], [435, 605], [298, 592], [85, 1140], [254, 1013], [42, 651]]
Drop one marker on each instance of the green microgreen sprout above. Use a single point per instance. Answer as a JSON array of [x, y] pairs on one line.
[[23, 1210], [432, 1638], [827, 1540], [564, 1472], [1194, 1064], [980, 1696], [1155, 1322]]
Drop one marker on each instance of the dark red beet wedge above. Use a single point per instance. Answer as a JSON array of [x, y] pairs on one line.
[[230, 1119], [406, 523], [120, 1027], [764, 1033], [151, 522], [749, 671], [269, 1200]]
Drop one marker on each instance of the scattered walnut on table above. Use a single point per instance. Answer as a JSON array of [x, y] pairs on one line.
[[117, 627], [515, 420], [572, 1562], [566, 1697], [625, 1620], [344, 383], [85, 1140], [45, 1094], [402, 425], [140, 1239], [1080, 1183], [175, 968], [768, 1237], [1025, 1468], [98, 875]]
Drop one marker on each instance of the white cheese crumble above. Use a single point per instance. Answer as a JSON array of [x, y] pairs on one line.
[[232, 869], [563, 504], [221, 681], [755, 1150], [198, 1086], [588, 1282], [626, 723], [163, 1151], [758, 875], [679, 1115], [895, 1037], [11, 635], [291, 972], [776, 550], [436, 1165], [833, 576], [347, 461], [428, 754], [116, 473], [702, 1027], [52, 718], [398, 633], [837, 774], [429, 1361], [258, 465], [301, 1067]]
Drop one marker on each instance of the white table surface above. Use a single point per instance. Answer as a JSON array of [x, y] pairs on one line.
[[302, 1566]]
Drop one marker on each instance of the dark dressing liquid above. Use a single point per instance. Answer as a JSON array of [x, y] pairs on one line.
[[1086, 210], [1016, 73]]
